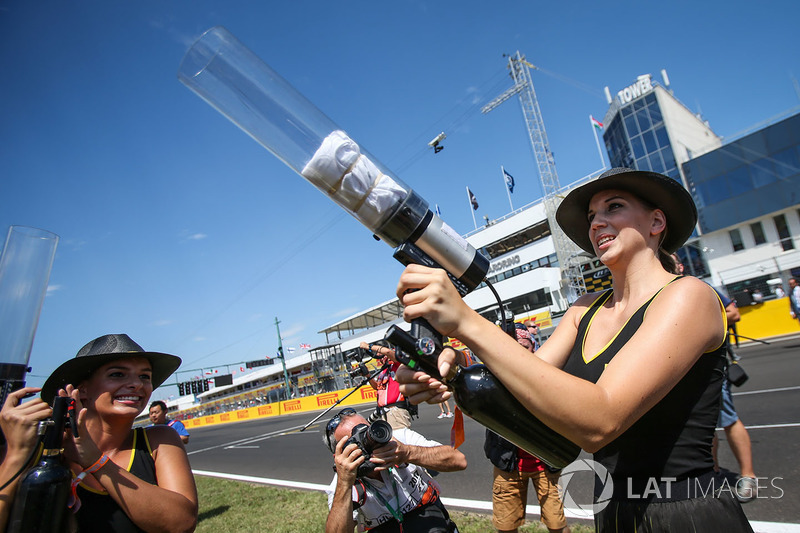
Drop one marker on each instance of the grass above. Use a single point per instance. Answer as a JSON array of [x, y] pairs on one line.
[[237, 507]]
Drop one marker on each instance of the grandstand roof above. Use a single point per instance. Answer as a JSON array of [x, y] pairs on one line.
[[375, 316]]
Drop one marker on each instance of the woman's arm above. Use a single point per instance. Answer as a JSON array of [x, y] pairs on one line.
[[420, 387], [170, 506], [682, 323]]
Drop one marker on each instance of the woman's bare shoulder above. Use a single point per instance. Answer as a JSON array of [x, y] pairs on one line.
[[158, 435], [690, 287], [688, 299], [586, 300]]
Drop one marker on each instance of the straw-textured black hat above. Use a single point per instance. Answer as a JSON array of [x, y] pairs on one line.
[[104, 350], [661, 191]]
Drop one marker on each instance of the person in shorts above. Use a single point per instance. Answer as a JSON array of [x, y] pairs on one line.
[[513, 469]]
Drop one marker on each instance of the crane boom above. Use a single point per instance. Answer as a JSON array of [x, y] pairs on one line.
[[566, 251]]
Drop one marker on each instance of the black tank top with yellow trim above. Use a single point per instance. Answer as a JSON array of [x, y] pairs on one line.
[[673, 439], [99, 512]]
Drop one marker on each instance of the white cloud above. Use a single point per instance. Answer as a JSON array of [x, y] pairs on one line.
[[53, 288], [292, 331], [347, 311], [197, 236], [475, 96], [176, 35], [160, 323]]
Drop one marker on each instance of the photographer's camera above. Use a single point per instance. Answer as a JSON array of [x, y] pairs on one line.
[[368, 438]]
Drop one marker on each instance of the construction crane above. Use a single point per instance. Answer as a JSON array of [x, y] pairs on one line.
[[566, 251]]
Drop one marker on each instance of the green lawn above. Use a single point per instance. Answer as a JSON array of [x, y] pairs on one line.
[[234, 507]]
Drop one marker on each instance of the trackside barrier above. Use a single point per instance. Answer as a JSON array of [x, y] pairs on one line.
[[759, 321], [768, 319], [365, 394]]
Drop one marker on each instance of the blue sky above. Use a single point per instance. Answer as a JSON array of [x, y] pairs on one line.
[[181, 231]]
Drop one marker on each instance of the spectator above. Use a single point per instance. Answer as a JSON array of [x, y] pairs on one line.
[[158, 416], [448, 413], [758, 297], [738, 438], [513, 468], [794, 298], [399, 495]]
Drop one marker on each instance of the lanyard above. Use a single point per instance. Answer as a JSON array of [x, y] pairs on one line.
[[395, 512]]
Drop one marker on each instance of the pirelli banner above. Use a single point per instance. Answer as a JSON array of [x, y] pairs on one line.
[[365, 394]]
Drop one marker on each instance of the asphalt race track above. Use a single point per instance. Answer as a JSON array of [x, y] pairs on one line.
[[768, 403]]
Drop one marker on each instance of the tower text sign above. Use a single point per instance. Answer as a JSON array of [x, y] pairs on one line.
[[642, 86]]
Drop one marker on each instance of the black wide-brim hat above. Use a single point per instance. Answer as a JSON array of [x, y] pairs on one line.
[[661, 191], [101, 351]]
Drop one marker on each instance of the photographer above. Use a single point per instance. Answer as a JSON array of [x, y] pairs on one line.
[[398, 494]]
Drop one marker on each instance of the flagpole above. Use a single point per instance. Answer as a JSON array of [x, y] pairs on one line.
[[508, 191], [471, 209], [597, 141]]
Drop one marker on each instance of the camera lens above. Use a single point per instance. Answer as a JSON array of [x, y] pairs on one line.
[[380, 432]]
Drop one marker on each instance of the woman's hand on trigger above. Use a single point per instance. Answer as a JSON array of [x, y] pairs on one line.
[[428, 293]]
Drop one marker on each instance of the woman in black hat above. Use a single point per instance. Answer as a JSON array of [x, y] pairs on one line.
[[632, 374], [129, 479]]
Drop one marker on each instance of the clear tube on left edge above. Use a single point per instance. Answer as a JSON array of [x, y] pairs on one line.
[[25, 266]]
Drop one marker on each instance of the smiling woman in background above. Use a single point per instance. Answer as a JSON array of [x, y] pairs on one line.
[[134, 479]]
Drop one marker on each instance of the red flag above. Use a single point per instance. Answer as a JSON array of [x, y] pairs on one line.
[[457, 431]]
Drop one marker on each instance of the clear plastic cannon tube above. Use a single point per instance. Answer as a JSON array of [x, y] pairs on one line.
[[233, 80], [25, 266]]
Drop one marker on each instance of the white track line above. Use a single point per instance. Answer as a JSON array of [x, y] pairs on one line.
[[758, 526], [762, 391]]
